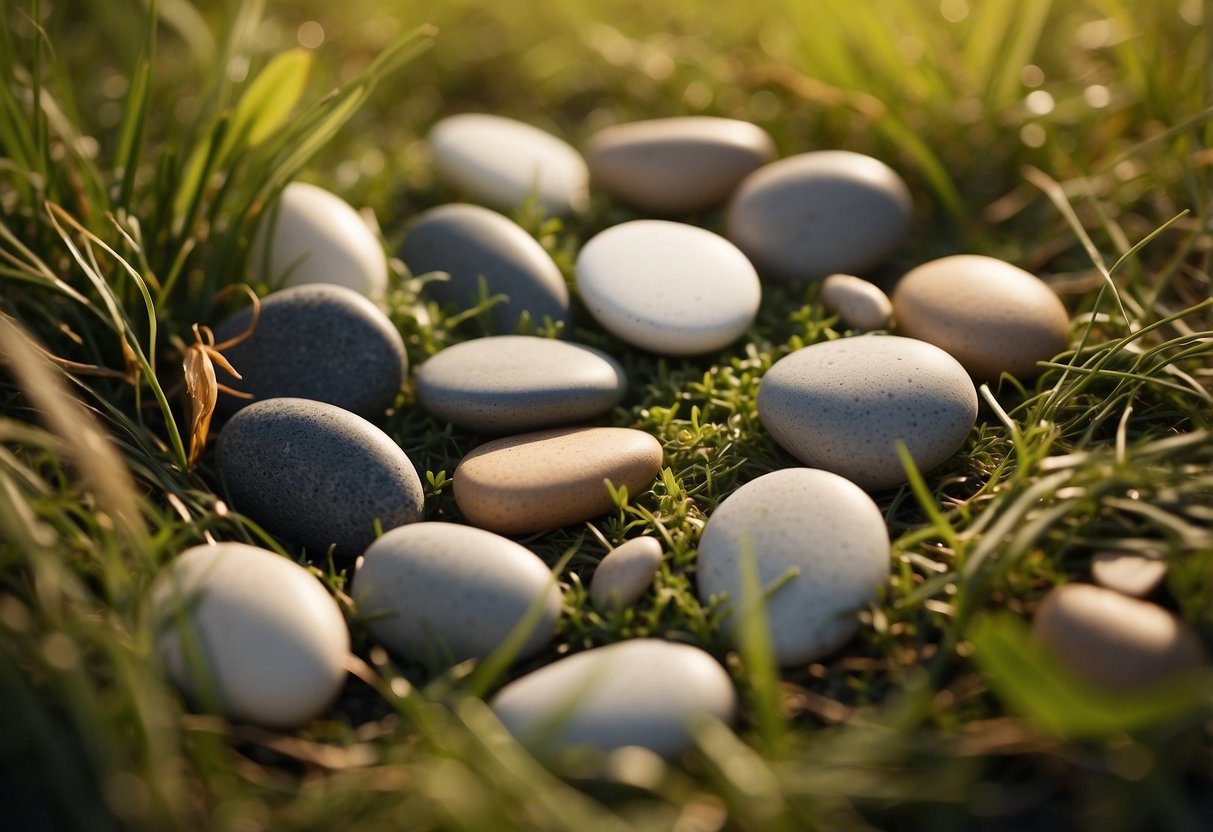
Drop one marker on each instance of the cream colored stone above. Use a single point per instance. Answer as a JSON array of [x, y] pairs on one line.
[[625, 574], [861, 305], [1129, 573]]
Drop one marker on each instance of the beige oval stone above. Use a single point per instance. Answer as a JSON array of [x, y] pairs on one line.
[[991, 316], [551, 478], [676, 166], [1130, 573], [625, 574], [861, 305], [1112, 640]]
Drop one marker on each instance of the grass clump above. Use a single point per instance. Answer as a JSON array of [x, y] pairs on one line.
[[1070, 138]]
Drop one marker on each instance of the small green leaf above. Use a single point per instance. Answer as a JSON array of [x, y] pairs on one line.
[[270, 98]]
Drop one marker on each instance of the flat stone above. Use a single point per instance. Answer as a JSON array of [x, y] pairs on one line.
[[271, 640], [666, 287], [517, 383], [321, 342], [814, 214], [312, 236], [439, 593], [842, 406], [993, 317], [643, 692], [1112, 640], [625, 574], [1130, 573], [316, 474], [502, 162], [475, 245], [669, 167], [815, 530], [546, 479], [859, 304]]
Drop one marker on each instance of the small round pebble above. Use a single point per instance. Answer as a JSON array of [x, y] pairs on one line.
[[1112, 640], [842, 405], [815, 214], [321, 342], [440, 593], [625, 574], [1130, 573], [666, 287], [272, 641], [814, 523], [859, 304], [316, 474], [517, 383], [643, 692], [994, 317], [669, 167], [315, 236], [475, 245], [542, 480], [502, 162]]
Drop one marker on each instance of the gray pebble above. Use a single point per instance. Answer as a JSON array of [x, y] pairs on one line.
[[316, 474], [625, 574], [516, 383], [842, 405], [317, 341], [815, 214], [470, 243]]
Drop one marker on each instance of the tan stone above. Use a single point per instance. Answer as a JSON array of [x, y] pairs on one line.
[[861, 305], [551, 478], [1129, 573], [625, 574]]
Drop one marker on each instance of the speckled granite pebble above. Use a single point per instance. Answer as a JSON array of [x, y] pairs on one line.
[[273, 642], [992, 316], [859, 304], [807, 520], [814, 214], [517, 383], [314, 236], [674, 166], [320, 342], [473, 243], [546, 479], [667, 287], [643, 692], [317, 474], [625, 574], [501, 162], [842, 405], [1112, 640], [1130, 573], [442, 592]]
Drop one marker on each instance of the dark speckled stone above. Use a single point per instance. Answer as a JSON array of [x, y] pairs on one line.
[[468, 241], [517, 383], [842, 405], [317, 474], [317, 341]]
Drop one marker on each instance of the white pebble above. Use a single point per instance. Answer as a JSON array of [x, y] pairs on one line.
[[625, 574], [861, 305]]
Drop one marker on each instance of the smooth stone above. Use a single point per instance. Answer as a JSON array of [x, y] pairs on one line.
[[317, 237], [859, 304], [502, 163], [625, 574], [442, 592], [666, 287], [316, 474], [1129, 573], [321, 342], [546, 479], [1112, 640], [817, 524], [815, 214], [842, 405], [675, 166], [643, 692], [994, 317], [272, 640], [517, 383], [472, 244]]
